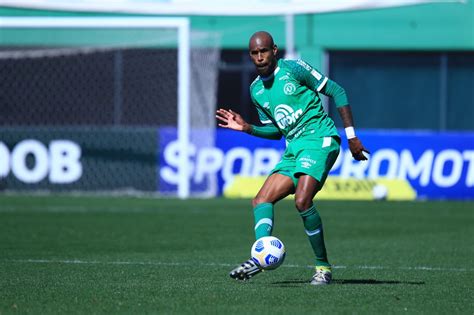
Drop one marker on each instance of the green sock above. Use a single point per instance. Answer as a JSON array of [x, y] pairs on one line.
[[314, 229], [263, 216]]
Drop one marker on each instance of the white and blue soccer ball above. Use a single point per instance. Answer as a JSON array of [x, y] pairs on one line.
[[268, 252]]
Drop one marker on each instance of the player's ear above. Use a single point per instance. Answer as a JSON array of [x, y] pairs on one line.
[[275, 50]]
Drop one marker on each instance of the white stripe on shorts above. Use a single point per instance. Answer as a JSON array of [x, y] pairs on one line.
[[326, 142]]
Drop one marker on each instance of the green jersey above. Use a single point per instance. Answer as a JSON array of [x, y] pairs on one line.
[[289, 99]]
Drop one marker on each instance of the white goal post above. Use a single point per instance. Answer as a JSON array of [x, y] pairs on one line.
[[182, 25]]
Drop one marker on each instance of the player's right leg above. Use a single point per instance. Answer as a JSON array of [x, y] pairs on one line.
[[245, 270], [275, 188]]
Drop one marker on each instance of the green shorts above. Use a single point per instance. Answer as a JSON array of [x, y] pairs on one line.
[[309, 156]]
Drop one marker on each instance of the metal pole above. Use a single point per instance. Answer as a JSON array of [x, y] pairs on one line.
[[184, 117], [290, 36]]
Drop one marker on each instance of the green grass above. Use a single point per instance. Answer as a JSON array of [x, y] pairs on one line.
[[90, 255]]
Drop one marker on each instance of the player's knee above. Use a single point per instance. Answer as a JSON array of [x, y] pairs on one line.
[[302, 203], [258, 200]]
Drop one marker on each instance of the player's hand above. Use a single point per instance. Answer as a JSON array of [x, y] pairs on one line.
[[232, 120], [357, 149]]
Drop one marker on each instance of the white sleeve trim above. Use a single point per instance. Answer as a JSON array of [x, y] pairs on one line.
[[320, 87]]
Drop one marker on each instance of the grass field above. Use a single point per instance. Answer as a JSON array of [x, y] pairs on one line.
[[87, 255]]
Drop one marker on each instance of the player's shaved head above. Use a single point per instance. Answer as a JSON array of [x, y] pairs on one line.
[[261, 38], [263, 53]]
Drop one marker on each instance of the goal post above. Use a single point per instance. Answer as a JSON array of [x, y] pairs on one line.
[[181, 25]]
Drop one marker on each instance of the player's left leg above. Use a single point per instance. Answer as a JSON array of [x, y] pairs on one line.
[[305, 192], [315, 158]]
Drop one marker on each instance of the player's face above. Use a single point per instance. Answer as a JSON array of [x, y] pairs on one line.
[[263, 55]]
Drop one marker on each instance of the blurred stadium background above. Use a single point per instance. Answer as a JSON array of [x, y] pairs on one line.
[[92, 116], [96, 109]]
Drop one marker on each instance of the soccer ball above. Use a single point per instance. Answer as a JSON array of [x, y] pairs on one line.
[[268, 252]]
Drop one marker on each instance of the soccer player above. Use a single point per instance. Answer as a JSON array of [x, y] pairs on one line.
[[286, 95]]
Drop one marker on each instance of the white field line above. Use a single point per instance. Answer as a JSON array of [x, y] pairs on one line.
[[182, 264]]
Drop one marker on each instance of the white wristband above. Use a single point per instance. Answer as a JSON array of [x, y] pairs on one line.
[[350, 132]]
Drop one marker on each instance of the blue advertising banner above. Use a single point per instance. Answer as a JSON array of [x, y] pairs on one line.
[[215, 166], [437, 165]]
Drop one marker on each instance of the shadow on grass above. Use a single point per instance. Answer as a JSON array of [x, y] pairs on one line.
[[292, 282], [373, 281]]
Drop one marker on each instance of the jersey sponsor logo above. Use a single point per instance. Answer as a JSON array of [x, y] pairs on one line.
[[289, 88], [296, 132], [285, 115]]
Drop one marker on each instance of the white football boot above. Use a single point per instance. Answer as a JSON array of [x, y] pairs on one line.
[[322, 276]]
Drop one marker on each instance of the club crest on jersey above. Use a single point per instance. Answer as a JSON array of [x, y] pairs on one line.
[[285, 115], [289, 88]]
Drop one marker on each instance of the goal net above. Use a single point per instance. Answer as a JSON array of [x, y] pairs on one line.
[[106, 104]]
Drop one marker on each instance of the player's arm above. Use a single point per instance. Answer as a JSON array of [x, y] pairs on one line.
[[338, 94], [232, 120], [268, 131]]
